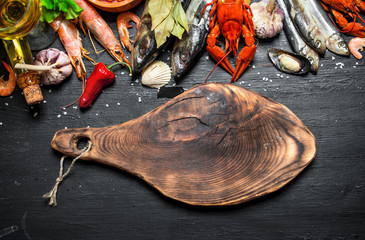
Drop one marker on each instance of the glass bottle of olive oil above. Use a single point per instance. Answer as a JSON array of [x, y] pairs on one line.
[[17, 19]]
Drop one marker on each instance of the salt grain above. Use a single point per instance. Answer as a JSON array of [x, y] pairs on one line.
[[207, 57], [333, 58], [139, 99], [74, 107], [35, 114], [65, 127], [118, 104], [1, 123], [59, 115], [107, 105], [253, 66], [64, 113], [6, 104], [44, 101]]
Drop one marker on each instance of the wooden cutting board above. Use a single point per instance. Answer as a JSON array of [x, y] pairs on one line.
[[215, 144]]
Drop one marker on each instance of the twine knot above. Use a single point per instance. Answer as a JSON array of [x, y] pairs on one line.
[[51, 195]]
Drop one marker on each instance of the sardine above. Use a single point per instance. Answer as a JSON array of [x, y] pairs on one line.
[[295, 40], [334, 40], [187, 49], [145, 46], [306, 25]]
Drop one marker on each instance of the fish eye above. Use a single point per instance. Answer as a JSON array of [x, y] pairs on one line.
[[341, 44], [184, 55], [143, 47]]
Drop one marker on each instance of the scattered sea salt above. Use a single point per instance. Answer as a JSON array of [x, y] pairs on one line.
[[35, 114], [6, 104], [139, 99], [107, 105], [65, 127], [44, 101], [74, 107], [118, 104], [333, 58], [253, 66], [207, 57], [1, 123], [97, 114], [50, 90], [64, 113], [59, 115], [258, 72]]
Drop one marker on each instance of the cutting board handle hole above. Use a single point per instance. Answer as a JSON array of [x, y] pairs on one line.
[[82, 142]]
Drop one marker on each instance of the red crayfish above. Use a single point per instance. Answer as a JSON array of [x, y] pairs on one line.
[[231, 18], [345, 11]]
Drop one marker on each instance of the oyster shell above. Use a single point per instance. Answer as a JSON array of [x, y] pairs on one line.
[[156, 74], [289, 62], [215, 144]]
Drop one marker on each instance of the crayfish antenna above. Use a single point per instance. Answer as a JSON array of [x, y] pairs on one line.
[[217, 65]]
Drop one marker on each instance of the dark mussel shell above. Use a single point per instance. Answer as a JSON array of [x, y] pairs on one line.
[[289, 62]]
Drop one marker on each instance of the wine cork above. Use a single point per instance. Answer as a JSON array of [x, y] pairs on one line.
[[33, 94]]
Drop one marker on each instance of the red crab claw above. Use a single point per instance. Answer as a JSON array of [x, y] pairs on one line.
[[216, 52], [246, 54]]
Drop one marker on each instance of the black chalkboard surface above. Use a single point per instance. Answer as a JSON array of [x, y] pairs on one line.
[[95, 201]]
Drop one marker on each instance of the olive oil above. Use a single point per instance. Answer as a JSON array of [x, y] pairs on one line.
[[18, 17], [11, 12]]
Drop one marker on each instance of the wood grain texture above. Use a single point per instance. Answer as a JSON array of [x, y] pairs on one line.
[[95, 201], [216, 144]]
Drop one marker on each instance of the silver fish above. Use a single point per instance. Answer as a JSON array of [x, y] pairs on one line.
[[296, 42], [187, 49], [334, 40], [145, 46], [306, 25]]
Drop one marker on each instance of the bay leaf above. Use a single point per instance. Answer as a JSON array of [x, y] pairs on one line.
[[159, 11], [163, 30], [180, 16], [178, 30]]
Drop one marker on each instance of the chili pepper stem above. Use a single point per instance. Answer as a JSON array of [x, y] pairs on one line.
[[124, 63]]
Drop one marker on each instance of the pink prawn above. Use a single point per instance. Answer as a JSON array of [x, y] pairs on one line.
[[7, 88], [355, 45], [123, 20], [97, 25], [70, 38]]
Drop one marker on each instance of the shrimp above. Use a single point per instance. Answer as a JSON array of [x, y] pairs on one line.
[[7, 88], [123, 20], [355, 45], [97, 25], [70, 38]]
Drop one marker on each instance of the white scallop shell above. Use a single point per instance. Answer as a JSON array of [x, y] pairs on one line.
[[156, 74]]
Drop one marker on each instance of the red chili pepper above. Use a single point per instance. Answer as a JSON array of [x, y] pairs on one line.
[[101, 77]]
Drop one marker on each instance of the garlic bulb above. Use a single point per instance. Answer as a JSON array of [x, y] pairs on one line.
[[267, 18], [59, 66]]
